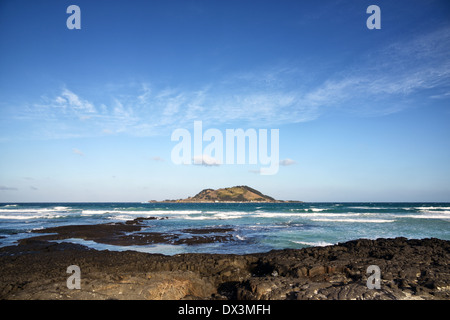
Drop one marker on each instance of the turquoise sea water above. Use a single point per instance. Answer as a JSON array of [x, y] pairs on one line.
[[256, 227]]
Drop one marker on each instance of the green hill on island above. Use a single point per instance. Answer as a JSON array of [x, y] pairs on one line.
[[233, 194]]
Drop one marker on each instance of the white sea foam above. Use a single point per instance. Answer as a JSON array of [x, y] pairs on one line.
[[314, 244], [425, 213], [432, 208], [27, 210], [141, 212], [307, 215], [230, 214], [61, 208], [199, 218], [212, 215], [13, 217], [93, 212], [427, 216], [180, 211], [308, 209], [160, 212], [354, 220], [369, 208], [14, 213], [274, 214], [28, 217]]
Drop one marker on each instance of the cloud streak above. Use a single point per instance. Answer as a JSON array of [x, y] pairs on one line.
[[158, 159], [376, 85], [287, 162], [78, 152], [4, 188], [205, 160]]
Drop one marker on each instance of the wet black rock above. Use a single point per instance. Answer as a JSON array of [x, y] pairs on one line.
[[131, 233], [410, 269]]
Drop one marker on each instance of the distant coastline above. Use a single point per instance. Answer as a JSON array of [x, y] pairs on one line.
[[221, 201], [236, 194]]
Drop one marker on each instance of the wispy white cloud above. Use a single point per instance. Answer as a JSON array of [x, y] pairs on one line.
[[287, 162], [261, 171], [205, 160], [70, 99], [378, 84], [78, 152], [146, 92], [5, 188], [444, 95], [158, 158]]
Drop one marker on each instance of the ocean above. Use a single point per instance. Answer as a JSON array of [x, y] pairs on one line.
[[256, 227]]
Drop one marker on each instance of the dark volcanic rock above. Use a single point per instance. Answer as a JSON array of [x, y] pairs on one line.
[[126, 234], [99, 232], [410, 269]]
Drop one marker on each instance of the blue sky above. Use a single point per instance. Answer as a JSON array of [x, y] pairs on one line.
[[87, 115]]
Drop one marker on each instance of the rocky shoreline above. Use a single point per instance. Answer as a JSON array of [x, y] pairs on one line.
[[410, 269], [132, 232]]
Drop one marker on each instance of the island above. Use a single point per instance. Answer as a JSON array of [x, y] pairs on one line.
[[229, 195]]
